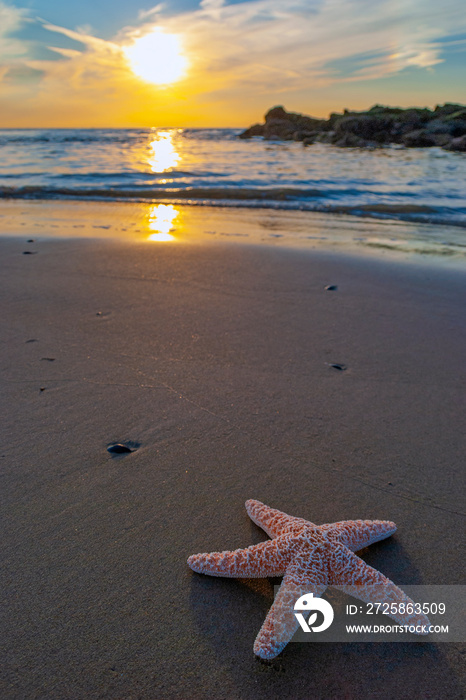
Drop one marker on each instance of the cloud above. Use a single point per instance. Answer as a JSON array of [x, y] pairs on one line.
[[88, 40], [236, 53], [145, 14], [11, 20], [266, 41]]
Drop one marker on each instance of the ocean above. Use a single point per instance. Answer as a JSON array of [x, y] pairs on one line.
[[213, 167]]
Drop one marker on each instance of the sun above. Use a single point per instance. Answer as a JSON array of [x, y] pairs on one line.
[[157, 58]]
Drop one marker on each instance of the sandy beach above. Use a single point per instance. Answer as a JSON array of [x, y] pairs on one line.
[[214, 363]]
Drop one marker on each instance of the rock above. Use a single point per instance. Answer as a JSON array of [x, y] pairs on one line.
[[420, 138], [300, 121], [325, 137], [368, 128], [255, 130], [288, 125], [439, 126], [453, 125], [276, 113], [442, 140], [301, 135], [281, 129], [352, 141], [457, 123], [458, 144], [447, 109], [379, 126], [414, 117]]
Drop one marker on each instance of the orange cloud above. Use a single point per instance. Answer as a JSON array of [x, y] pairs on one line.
[[238, 58]]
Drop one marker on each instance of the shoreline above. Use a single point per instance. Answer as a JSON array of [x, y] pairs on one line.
[[365, 237], [214, 362]]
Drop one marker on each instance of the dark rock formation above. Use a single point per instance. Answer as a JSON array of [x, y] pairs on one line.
[[254, 130], [419, 138], [458, 144], [285, 126], [445, 126]]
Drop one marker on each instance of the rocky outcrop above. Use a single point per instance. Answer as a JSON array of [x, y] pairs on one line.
[[445, 126], [285, 126], [458, 144]]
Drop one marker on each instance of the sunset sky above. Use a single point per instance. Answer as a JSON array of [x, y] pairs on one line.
[[213, 63]]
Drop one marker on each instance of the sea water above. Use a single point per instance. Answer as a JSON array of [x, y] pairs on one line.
[[206, 167]]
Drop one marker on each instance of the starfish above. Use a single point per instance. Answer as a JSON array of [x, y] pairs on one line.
[[310, 558]]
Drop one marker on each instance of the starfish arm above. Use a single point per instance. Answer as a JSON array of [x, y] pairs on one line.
[[281, 623], [356, 534], [353, 576], [259, 561], [273, 521]]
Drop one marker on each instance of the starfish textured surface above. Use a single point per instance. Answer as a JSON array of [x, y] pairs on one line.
[[310, 558]]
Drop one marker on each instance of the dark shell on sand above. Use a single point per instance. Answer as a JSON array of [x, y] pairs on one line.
[[123, 448], [118, 449]]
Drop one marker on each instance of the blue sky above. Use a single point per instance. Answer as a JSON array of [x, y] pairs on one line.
[[65, 63], [104, 17]]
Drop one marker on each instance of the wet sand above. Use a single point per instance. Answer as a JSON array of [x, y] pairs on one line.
[[213, 362], [362, 236]]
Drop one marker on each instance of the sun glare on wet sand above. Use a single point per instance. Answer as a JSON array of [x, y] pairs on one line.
[[157, 58], [161, 220]]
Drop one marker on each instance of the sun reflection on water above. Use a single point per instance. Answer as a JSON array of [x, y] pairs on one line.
[[161, 220], [162, 152]]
